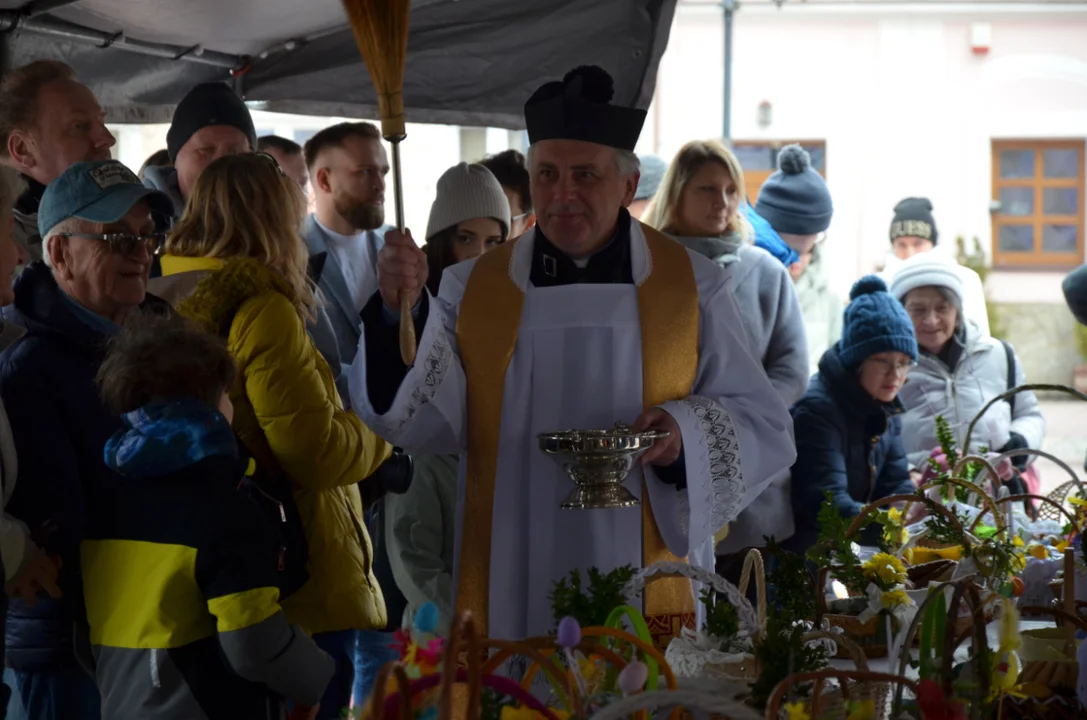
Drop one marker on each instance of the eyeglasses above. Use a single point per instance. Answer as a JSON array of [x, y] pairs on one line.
[[901, 368], [123, 243]]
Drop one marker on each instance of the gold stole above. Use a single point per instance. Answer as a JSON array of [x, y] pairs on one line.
[[487, 327]]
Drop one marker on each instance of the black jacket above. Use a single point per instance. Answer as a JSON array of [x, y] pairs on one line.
[[848, 444], [60, 427]]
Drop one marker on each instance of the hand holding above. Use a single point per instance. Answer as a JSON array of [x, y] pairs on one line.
[[665, 451], [401, 267], [39, 573]]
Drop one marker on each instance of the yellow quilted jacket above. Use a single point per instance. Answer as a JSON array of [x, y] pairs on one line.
[[289, 415]]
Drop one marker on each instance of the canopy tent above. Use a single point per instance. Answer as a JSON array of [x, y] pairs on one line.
[[470, 62]]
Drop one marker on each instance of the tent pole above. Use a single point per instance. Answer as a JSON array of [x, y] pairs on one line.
[[729, 8], [41, 7], [14, 20]]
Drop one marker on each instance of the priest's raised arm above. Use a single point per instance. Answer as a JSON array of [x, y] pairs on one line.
[[419, 408]]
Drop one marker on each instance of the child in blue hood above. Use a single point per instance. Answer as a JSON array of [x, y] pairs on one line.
[[181, 573]]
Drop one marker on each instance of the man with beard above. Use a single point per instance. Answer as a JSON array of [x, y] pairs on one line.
[[347, 168]]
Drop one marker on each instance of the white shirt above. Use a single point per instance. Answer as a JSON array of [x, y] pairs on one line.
[[352, 254]]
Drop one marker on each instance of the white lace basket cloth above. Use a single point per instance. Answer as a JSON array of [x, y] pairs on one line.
[[695, 654]]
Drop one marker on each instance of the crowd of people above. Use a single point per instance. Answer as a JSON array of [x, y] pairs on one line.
[[224, 490]]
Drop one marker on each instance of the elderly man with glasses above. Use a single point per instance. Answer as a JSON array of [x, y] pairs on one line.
[[99, 238]]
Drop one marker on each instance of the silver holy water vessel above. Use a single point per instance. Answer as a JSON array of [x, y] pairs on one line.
[[598, 461]]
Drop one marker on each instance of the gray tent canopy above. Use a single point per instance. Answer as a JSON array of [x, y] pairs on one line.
[[470, 62]]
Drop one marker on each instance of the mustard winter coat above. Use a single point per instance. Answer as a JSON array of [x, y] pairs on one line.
[[288, 413]]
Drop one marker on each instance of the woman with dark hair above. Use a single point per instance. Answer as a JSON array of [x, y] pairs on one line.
[[508, 167], [470, 216]]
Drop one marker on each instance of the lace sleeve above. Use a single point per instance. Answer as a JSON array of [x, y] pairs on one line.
[[714, 477]]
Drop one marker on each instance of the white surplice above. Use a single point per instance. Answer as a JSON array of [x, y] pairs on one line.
[[577, 364]]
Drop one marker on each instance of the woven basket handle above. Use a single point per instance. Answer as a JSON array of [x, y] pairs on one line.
[[754, 565], [403, 687], [462, 632], [856, 654], [1076, 529]]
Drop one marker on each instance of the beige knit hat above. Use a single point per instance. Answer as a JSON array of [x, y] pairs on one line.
[[466, 192]]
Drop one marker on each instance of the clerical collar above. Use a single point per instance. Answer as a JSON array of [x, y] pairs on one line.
[[608, 265]]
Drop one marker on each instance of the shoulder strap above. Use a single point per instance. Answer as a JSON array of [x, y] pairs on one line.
[[1010, 354]]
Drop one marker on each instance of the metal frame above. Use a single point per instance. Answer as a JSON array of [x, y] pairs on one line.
[[34, 18]]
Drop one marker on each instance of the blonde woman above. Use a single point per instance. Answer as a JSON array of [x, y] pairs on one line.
[[698, 204], [236, 264]]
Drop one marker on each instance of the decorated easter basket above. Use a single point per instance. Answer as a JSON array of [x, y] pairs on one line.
[[1048, 659], [696, 655], [937, 623], [464, 647], [857, 693], [870, 634]]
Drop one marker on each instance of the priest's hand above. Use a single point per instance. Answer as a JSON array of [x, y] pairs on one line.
[[401, 266], [664, 452]]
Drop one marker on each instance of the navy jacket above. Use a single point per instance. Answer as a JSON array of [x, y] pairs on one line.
[[847, 443], [60, 427]]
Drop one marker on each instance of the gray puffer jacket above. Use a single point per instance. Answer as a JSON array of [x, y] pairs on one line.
[[980, 374], [771, 316]]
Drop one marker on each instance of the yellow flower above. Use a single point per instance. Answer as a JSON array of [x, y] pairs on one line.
[[1017, 541], [886, 567], [795, 710], [893, 598], [862, 710], [1078, 501], [1037, 550], [894, 515], [1062, 545]]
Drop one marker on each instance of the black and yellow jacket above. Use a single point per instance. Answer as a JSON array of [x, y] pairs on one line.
[[180, 581]]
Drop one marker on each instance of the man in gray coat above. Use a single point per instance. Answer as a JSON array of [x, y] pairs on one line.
[[347, 167]]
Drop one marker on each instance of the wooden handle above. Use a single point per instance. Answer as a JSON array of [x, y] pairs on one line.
[[407, 331]]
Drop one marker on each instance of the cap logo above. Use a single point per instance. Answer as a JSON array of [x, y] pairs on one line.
[[112, 174]]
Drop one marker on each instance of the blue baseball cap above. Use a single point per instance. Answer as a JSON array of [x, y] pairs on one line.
[[100, 191]]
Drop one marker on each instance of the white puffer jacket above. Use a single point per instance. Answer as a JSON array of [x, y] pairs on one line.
[[959, 395]]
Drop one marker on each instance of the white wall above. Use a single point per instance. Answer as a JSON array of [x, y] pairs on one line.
[[903, 104]]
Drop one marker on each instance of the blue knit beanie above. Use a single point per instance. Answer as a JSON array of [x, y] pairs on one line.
[[795, 199], [873, 323]]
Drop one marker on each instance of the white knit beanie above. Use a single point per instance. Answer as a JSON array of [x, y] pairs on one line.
[[928, 269], [466, 192]]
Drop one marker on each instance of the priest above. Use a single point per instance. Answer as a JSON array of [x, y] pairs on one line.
[[589, 319]]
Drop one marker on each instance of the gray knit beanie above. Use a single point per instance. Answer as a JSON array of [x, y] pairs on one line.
[[466, 192], [795, 199]]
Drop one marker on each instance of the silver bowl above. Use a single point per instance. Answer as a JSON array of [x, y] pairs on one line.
[[598, 461]]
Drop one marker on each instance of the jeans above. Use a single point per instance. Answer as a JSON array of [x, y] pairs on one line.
[[68, 694], [373, 650], [341, 646]]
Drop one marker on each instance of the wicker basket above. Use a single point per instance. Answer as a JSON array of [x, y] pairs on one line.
[[853, 685], [1057, 707], [870, 635], [705, 662], [461, 680]]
